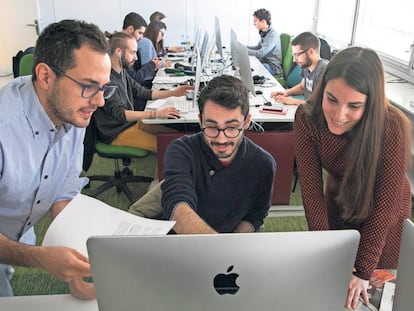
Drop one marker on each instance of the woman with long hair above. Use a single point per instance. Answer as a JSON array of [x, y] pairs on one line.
[[152, 44], [349, 129]]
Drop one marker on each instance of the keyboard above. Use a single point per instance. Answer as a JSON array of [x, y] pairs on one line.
[[181, 104]]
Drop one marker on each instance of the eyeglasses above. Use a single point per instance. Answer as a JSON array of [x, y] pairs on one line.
[[229, 132], [90, 90], [296, 55]]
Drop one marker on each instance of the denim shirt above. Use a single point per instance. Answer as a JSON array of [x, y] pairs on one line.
[[39, 164]]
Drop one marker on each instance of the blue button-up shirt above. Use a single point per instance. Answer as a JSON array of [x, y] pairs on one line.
[[39, 164]]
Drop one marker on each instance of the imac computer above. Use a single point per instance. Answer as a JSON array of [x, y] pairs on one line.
[[219, 44], [241, 62]]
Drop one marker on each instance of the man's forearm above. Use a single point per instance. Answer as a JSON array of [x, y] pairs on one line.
[[244, 227], [15, 253], [188, 222]]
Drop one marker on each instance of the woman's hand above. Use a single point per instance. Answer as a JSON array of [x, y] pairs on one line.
[[357, 287]]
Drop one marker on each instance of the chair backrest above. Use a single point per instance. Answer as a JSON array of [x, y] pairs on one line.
[[279, 144], [26, 65], [294, 76], [285, 40], [325, 49], [287, 57]]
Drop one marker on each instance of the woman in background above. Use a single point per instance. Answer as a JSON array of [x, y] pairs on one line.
[[349, 129], [152, 44]]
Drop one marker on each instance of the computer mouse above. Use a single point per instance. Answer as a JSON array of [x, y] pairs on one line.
[[258, 92]]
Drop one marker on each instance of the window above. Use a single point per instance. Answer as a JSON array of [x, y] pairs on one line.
[[385, 26]]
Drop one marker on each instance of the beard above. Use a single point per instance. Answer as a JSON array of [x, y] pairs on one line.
[[58, 112]]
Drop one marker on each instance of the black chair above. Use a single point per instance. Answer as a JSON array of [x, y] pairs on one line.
[[120, 178]]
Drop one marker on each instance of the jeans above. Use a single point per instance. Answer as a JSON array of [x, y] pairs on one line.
[[269, 68]]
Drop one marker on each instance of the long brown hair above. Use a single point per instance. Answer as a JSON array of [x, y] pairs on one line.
[[151, 32], [363, 71]]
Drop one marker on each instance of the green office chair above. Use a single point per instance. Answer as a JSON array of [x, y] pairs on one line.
[[287, 58], [26, 65], [120, 178]]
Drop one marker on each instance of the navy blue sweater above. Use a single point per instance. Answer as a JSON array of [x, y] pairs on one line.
[[221, 196]]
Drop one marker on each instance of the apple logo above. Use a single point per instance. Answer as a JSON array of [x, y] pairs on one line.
[[226, 283]]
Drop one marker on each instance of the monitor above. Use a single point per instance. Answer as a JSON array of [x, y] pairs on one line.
[[204, 46], [267, 271], [404, 288], [241, 61], [219, 44]]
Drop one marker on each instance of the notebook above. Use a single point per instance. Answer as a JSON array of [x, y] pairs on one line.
[[233, 272], [404, 289]]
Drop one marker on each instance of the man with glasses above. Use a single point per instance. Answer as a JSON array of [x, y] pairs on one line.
[[305, 51], [42, 123], [135, 25], [218, 180], [118, 123]]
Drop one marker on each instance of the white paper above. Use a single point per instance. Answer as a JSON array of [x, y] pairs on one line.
[[85, 216], [387, 298]]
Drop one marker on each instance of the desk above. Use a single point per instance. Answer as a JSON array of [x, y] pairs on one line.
[[47, 303], [56, 302], [162, 80]]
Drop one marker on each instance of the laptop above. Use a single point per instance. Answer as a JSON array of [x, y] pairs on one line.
[[404, 288], [233, 272]]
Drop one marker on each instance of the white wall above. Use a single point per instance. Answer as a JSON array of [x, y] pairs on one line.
[[182, 18]]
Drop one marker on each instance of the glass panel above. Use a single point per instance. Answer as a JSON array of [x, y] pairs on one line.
[[387, 26], [335, 21]]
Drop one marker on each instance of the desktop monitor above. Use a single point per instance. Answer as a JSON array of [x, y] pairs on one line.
[[404, 289], [240, 57], [268, 271], [197, 36], [197, 81], [219, 44], [204, 46]]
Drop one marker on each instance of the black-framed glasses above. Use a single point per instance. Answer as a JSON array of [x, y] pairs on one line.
[[229, 132], [296, 55], [89, 90]]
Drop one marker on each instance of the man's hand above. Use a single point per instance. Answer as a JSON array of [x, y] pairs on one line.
[[61, 262], [157, 62], [82, 289], [182, 90]]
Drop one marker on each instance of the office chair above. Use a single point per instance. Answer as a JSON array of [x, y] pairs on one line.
[[25, 65], [287, 59], [120, 178]]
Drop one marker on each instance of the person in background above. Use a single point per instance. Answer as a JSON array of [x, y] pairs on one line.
[[117, 122], [152, 44], [42, 123], [135, 25], [268, 50], [159, 16], [305, 51], [349, 129], [203, 171]]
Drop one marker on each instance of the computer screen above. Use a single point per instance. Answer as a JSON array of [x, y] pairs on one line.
[[219, 44], [268, 271], [204, 45], [240, 57]]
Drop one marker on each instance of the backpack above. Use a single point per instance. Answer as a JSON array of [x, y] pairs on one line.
[[17, 58]]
